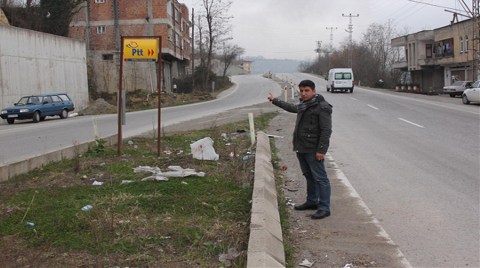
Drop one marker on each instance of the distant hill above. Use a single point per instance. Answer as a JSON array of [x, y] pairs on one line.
[[261, 65]]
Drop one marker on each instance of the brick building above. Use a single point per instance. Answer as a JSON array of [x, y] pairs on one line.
[[101, 23]]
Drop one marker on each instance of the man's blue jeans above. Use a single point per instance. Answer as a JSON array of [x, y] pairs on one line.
[[318, 185]]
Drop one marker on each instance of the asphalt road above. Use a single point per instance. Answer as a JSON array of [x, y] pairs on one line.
[[415, 162], [25, 139]]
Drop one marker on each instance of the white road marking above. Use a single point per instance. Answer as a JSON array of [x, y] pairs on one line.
[[406, 121], [373, 107], [353, 98], [353, 193]]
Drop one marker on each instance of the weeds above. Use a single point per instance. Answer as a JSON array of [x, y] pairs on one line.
[[182, 222]]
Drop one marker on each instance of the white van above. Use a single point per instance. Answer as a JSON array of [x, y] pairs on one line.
[[340, 79]]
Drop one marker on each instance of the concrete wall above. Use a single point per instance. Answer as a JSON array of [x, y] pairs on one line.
[[34, 62]]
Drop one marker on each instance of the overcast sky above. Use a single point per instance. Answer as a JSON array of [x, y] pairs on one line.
[[290, 29]]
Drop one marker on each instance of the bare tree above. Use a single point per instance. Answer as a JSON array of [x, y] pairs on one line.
[[230, 53], [377, 41], [215, 18], [50, 16]]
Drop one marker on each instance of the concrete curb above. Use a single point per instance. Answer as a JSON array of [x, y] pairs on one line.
[[11, 170], [265, 245]]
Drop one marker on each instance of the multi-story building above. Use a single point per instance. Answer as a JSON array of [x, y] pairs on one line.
[[435, 58], [102, 23]]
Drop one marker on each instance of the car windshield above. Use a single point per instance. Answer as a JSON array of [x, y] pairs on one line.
[[476, 84], [29, 100]]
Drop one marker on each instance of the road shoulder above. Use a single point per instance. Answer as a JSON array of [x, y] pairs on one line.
[[351, 235]]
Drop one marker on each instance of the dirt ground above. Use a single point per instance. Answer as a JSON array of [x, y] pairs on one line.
[[141, 101]]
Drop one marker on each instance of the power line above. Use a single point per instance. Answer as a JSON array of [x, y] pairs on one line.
[[429, 4]]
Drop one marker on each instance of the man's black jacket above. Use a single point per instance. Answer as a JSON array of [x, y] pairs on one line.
[[313, 126]]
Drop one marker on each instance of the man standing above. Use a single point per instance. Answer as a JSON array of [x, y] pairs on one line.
[[311, 137]]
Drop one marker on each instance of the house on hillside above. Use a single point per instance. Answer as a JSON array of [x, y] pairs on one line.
[[434, 58], [101, 23]]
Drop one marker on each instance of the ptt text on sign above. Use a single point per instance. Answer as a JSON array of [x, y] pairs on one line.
[[141, 49]]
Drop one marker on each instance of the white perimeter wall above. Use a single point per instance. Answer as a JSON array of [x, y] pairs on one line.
[[34, 62]]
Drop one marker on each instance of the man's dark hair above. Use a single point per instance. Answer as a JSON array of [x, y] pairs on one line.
[[307, 83]]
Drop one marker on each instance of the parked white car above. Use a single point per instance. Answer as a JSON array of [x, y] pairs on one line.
[[457, 88], [472, 94]]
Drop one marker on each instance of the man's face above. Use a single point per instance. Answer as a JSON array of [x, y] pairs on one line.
[[306, 93]]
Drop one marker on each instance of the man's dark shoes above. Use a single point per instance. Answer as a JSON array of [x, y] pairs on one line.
[[306, 206], [320, 214]]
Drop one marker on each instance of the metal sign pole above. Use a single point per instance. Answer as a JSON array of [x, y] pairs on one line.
[[159, 86], [120, 104], [140, 48]]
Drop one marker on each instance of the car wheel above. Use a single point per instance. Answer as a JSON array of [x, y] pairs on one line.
[[452, 95], [465, 99], [36, 117], [351, 90], [10, 120], [64, 114], [328, 89]]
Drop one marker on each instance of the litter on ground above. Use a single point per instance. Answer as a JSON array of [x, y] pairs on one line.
[[306, 263], [203, 149], [173, 172]]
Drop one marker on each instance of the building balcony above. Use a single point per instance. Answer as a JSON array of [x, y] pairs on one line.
[[426, 62], [400, 65]]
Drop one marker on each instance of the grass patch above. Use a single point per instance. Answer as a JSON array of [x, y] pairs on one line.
[[288, 241], [183, 222]]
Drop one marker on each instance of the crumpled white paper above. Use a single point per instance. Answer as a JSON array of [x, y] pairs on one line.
[[306, 263], [174, 172]]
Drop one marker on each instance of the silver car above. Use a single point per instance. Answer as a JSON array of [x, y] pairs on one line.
[[472, 94], [457, 88]]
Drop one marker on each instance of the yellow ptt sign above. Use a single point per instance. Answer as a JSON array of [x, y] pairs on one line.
[[142, 49]]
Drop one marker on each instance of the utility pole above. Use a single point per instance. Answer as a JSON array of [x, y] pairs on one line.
[[350, 31], [319, 50], [330, 49], [476, 27], [192, 54]]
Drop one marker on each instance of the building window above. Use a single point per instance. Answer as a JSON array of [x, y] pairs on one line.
[[107, 57], [428, 51], [99, 1], [461, 45], [101, 29], [466, 44], [177, 15], [443, 48]]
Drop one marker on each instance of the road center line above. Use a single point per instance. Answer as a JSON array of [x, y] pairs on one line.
[[406, 121], [373, 107], [353, 98]]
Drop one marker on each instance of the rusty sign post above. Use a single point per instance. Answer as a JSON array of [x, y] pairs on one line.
[[139, 48]]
